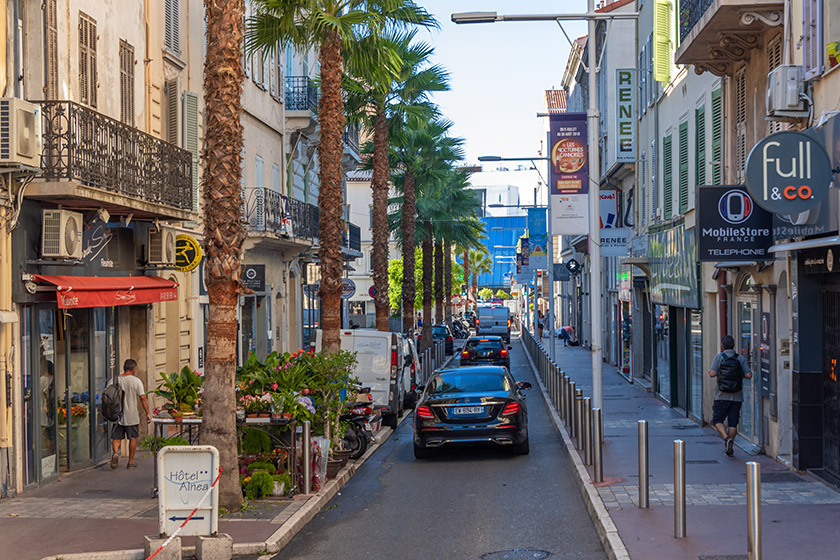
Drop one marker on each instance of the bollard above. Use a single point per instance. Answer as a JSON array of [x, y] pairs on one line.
[[679, 489], [562, 390], [307, 457], [753, 511], [587, 430], [579, 418], [644, 491], [597, 458], [570, 403]]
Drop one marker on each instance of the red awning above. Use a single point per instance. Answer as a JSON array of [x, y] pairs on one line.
[[95, 291]]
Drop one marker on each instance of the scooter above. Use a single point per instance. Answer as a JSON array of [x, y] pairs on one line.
[[358, 434]]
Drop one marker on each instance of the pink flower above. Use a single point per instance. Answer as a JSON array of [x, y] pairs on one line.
[[274, 386]]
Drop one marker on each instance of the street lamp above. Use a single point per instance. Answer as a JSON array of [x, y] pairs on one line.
[[591, 16]]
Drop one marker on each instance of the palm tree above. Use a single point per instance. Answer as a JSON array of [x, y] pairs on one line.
[[481, 263], [223, 233], [333, 27], [374, 96]]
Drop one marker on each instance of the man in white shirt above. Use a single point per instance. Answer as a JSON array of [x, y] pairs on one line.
[[128, 426]]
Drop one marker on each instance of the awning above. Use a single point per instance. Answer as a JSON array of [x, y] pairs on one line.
[[105, 291], [807, 244]]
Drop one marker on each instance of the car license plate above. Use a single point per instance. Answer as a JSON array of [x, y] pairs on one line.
[[468, 410]]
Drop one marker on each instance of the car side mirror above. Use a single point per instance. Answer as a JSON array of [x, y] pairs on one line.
[[522, 385], [510, 347]]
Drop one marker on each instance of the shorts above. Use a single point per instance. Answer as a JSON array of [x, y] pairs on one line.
[[729, 410], [125, 432]]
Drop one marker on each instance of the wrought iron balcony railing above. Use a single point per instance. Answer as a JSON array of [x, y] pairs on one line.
[[352, 237], [83, 145], [301, 94], [351, 138], [267, 210], [304, 219], [691, 11]]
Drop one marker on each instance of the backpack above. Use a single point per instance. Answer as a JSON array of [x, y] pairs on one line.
[[112, 401], [730, 376]]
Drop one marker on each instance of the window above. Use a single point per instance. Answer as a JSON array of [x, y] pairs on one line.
[[654, 183], [643, 189], [667, 174], [370, 215], [700, 145], [774, 60], [717, 138], [683, 168], [740, 122], [812, 38], [126, 83], [172, 26], [87, 60], [831, 33], [170, 98], [275, 177], [258, 181], [52, 50]]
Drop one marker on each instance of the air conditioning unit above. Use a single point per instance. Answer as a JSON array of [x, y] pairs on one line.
[[785, 88], [20, 133], [61, 234], [161, 246]]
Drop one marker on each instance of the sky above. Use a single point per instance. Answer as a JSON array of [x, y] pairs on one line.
[[500, 71]]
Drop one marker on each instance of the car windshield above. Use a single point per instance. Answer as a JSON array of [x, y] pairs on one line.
[[484, 345], [439, 331], [456, 382]]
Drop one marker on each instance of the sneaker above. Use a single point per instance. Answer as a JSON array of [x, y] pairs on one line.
[[728, 444], [131, 466], [115, 460]]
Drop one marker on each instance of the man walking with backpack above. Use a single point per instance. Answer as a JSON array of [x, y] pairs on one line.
[[127, 426], [730, 369]]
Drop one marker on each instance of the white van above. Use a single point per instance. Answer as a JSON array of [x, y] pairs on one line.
[[493, 320], [381, 358]]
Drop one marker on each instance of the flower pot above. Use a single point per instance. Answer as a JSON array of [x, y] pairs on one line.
[[264, 415], [279, 488], [342, 455], [333, 466], [276, 416], [286, 415], [252, 415]]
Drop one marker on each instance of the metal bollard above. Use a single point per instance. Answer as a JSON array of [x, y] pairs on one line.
[[579, 418], [597, 458], [679, 489], [753, 511], [644, 477], [587, 430], [562, 390], [307, 457], [572, 397]]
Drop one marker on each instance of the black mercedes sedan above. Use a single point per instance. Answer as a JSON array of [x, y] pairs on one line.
[[485, 350], [471, 405]]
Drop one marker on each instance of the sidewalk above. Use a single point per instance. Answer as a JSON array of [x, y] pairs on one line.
[[799, 512]]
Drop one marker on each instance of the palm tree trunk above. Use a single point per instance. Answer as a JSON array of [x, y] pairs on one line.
[[466, 258], [447, 281], [475, 288], [408, 291], [330, 202], [439, 319], [379, 186], [223, 233], [428, 247]]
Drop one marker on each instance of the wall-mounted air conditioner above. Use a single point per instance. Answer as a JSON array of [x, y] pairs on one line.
[[61, 234], [20, 133], [785, 90], [161, 246]]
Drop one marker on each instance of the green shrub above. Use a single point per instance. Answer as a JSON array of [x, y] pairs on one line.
[[255, 442], [260, 485], [262, 466], [283, 478]]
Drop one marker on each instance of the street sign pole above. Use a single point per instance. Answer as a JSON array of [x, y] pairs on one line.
[[550, 272]]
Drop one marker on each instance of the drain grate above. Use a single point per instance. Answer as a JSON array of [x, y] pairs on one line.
[[724, 557], [702, 462], [96, 491], [516, 554]]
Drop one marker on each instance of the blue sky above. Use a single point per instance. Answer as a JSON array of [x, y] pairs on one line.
[[499, 71]]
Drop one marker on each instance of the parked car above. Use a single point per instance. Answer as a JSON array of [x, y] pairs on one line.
[[486, 350], [441, 332], [493, 320], [470, 405], [380, 365], [469, 315], [411, 373]]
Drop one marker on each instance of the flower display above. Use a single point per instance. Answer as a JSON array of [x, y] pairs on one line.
[[77, 412]]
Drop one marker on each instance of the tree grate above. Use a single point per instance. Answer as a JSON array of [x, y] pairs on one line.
[[516, 554]]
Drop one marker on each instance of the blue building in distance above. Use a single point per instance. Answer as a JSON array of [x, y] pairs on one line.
[[502, 233]]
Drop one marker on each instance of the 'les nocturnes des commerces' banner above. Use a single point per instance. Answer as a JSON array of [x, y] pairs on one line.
[[568, 174]]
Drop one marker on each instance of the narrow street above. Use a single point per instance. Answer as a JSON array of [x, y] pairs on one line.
[[464, 504]]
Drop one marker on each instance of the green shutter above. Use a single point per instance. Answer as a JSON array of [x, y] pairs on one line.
[[717, 137], [662, 41], [700, 145], [683, 155], [667, 186]]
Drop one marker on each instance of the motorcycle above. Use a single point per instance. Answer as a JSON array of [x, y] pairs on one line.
[[356, 419]]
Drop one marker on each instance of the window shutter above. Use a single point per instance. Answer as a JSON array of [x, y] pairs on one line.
[[641, 66], [812, 38], [266, 70], [83, 61], [190, 138], [700, 145], [683, 169], [275, 177], [654, 183], [774, 60], [667, 173], [170, 92], [643, 197], [171, 26], [92, 62], [258, 168], [126, 83], [272, 77], [717, 138], [52, 50], [740, 122], [662, 41]]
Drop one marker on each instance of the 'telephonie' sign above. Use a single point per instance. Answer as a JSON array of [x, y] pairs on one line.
[[730, 226]]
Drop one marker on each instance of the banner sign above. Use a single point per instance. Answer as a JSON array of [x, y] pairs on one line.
[[568, 168], [821, 260], [625, 120], [614, 242], [730, 226], [537, 240], [608, 208], [764, 351], [570, 214], [673, 267]]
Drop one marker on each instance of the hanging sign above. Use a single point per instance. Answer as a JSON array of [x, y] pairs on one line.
[[614, 242], [187, 253], [570, 214], [348, 288], [788, 172], [568, 173], [673, 266], [253, 277], [625, 121], [730, 227], [608, 209]]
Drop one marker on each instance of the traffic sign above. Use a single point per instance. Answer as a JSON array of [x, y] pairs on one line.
[[573, 266], [372, 292]]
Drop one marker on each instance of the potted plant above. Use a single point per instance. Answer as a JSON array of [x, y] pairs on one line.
[[181, 392], [256, 406]]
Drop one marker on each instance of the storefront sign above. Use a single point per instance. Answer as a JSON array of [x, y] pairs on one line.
[[614, 242], [187, 253], [568, 169], [570, 214], [673, 267], [764, 354], [608, 209], [187, 478], [348, 288], [730, 227], [820, 261], [561, 273], [788, 172], [253, 277], [625, 121]]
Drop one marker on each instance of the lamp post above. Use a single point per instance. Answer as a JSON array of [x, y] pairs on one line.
[[591, 16]]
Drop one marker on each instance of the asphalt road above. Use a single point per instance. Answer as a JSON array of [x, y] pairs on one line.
[[464, 504]]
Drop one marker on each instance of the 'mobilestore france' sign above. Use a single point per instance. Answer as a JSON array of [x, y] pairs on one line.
[[730, 226]]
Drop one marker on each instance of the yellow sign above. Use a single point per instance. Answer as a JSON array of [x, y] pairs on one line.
[[187, 253]]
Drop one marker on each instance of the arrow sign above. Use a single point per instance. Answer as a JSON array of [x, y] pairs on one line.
[[193, 518]]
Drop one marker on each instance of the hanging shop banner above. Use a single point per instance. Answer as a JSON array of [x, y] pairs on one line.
[[788, 172], [730, 226], [673, 266], [570, 214], [614, 242], [608, 209], [625, 120], [568, 169], [187, 253], [764, 352], [537, 238]]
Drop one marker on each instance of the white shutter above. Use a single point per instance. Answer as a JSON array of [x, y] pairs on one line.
[[740, 122], [272, 73], [812, 38], [172, 26], [190, 138]]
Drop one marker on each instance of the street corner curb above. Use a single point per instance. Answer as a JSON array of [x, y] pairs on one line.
[[604, 525], [134, 554]]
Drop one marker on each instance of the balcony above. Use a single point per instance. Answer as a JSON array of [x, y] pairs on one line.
[[717, 34], [267, 211], [352, 236], [90, 159], [301, 94]]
